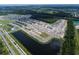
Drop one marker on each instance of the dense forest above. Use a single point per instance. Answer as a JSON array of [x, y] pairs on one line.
[[69, 44]]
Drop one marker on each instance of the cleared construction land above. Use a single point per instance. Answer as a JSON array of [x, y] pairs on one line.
[[43, 32]]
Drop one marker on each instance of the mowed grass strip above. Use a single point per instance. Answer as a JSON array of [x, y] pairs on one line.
[[11, 45], [77, 41], [3, 48], [6, 21]]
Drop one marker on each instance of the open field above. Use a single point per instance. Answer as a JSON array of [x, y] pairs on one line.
[[5, 24], [11, 45], [6, 21], [77, 40]]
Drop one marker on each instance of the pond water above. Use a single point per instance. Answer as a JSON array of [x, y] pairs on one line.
[[76, 21], [36, 48]]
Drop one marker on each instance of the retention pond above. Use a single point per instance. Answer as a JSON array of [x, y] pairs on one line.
[[36, 48]]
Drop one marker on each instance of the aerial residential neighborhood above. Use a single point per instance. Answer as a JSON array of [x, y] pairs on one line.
[[39, 30]]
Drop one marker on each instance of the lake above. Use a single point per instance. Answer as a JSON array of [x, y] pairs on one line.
[[36, 48]]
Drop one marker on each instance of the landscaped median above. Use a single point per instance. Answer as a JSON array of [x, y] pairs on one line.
[[11, 45]]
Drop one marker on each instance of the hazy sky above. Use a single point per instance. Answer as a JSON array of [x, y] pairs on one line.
[[39, 1]]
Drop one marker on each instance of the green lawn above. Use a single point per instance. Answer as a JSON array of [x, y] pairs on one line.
[[5, 24], [6, 21]]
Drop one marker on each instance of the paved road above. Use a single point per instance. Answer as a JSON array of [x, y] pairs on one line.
[[8, 46], [20, 50]]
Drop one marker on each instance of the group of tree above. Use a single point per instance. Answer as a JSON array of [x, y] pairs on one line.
[[69, 43]]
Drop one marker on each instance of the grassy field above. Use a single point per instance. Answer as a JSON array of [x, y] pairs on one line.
[[5, 25], [3, 48], [4, 22], [11, 45], [77, 41]]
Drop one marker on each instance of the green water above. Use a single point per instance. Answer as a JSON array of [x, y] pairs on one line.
[[76, 22]]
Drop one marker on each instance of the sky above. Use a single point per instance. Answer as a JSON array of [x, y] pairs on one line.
[[39, 1]]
